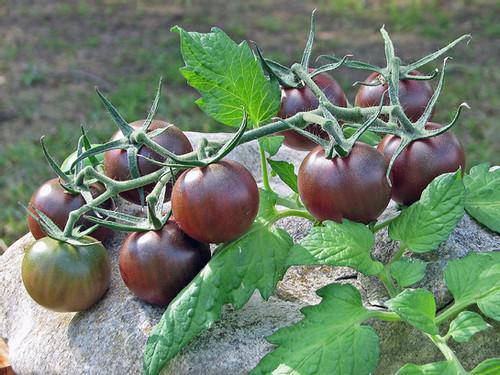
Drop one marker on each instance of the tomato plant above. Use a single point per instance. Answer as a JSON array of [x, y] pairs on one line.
[[156, 265], [421, 162], [413, 95], [342, 187], [57, 203], [65, 277], [217, 203], [116, 164], [354, 187], [302, 99]]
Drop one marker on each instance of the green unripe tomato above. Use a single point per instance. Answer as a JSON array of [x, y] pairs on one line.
[[64, 277]]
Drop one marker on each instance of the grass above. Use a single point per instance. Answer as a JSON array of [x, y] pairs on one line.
[[53, 54]]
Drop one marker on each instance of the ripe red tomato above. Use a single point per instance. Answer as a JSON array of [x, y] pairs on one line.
[[64, 277], [57, 203], [302, 99], [116, 161], [157, 265], [413, 95], [421, 162], [217, 203], [353, 187]]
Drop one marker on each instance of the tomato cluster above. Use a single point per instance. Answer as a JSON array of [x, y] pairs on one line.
[[212, 204], [218, 202]]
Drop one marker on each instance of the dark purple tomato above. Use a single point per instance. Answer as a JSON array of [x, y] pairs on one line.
[[157, 265], [57, 203], [64, 277], [354, 187], [217, 203], [413, 95], [420, 162], [116, 161], [302, 99]]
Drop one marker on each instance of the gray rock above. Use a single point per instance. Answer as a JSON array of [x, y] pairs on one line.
[[109, 338]]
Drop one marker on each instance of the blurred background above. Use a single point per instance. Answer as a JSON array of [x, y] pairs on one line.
[[53, 54]]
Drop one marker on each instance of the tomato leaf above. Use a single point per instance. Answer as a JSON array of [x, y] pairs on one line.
[[267, 203], [428, 222], [286, 172], [256, 262], [466, 325], [488, 367], [228, 77], [329, 340], [271, 144], [416, 307], [408, 271], [476, 279], [348, 244], [482, 195], [435, 368]]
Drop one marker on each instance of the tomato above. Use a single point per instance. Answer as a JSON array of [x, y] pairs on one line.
[[64, 277], [420, 162], [413, 95], [354, 187], [57, 203], [294, 100], [157, 265], [116, 161], [217, 203]]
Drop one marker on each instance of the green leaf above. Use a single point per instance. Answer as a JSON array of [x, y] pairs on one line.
[[488, 367], [435, 368], [255, 261], [428, 222], [348, 244], [482, 195], [228, 77], [286, 172], [408, 271], [476, 279], [466, 325], [416, 307], [369, 137], [267, 203], [329, 340], [271, 144]]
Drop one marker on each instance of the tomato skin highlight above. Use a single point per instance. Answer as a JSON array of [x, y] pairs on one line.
[[420, 162], [157, 265], [116, 161], [413, 95], [294, 100], [354, 187], [217, 203], [57, 203], [66, 278]]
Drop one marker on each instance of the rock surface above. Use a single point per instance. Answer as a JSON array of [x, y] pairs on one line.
[[109, 338]]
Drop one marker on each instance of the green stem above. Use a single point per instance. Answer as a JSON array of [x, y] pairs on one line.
[[287, 202], [383, 224], [388, 316], [265, 172], [385, 277], [447, 352], [450, 312], [398, 254], [292, 212]]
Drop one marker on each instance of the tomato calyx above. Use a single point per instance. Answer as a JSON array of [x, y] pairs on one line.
[[405, 71], [285, 75]]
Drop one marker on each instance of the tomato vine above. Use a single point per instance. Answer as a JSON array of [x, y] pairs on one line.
[[342, 187]]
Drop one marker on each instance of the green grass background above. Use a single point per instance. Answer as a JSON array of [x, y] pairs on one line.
[[53, 54]]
